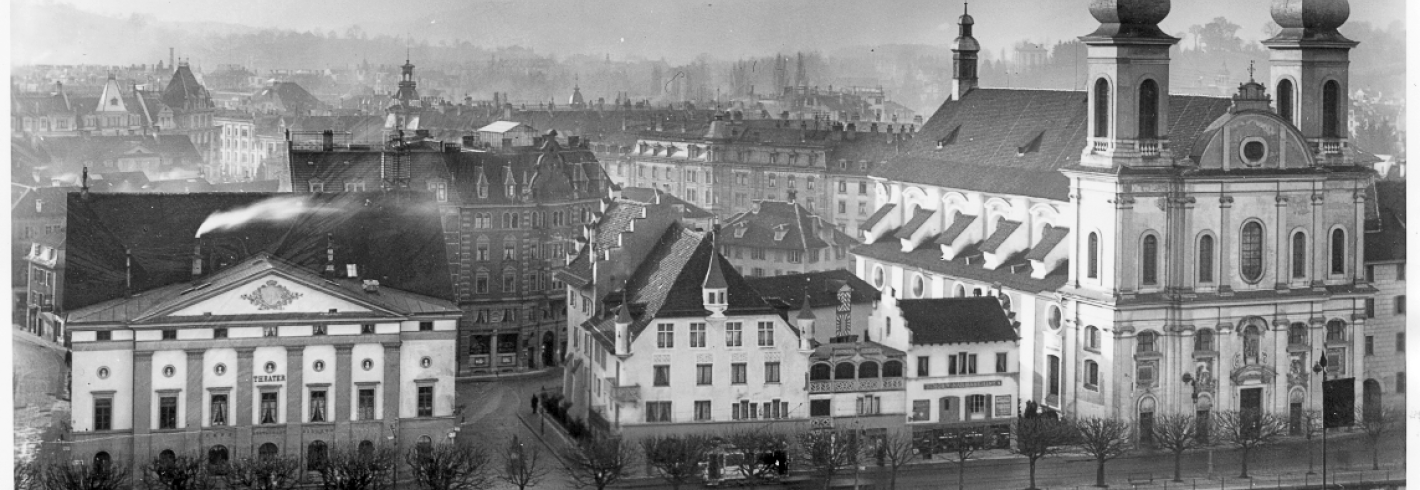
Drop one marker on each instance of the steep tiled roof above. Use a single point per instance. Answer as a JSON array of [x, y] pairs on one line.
[[993, 124], [797, 223], [645, 194], [788, 291], [930, 259], [289, 97], [395, 238], [956, 320], [78, 150], [1387, 244], [668, 282], [184, 92]]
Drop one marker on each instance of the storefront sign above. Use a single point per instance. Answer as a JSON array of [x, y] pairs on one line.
[[1003, 406], [961, 384], [269, 379]]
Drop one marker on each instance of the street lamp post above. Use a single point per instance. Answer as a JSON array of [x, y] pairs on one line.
[[1320, 369]]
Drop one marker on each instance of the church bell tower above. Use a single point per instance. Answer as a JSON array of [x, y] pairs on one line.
[[1128, 84]]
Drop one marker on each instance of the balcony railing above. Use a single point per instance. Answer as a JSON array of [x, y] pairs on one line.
[[627, 394], [1150, 148], [855, 385]]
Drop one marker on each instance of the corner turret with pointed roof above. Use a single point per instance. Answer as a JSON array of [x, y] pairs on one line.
[[805, 322], [715, 288], [623, 330]]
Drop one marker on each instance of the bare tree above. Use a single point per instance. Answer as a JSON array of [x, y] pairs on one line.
[[449, 466], [60, 475], [264, 473], [1248, 429], [1176, 432], [676, 458], [1104, 438], [347, 468], [896, 450], [1375, 423], [178, 473], [966, 447], [599, 461], [1040, 437], [755, 448], [523, 466], [26, 473], [829, 451]]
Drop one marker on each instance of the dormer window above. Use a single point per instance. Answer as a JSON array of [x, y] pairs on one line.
[[780, 231], [740, 230]]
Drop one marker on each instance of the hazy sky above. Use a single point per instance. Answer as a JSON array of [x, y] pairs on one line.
[[681, 29]]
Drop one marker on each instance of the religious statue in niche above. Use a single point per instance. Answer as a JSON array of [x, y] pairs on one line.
[[1297, 372], [1203, 381], [271, 296]]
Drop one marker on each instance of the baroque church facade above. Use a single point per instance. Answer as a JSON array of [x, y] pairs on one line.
[[1158, 252]]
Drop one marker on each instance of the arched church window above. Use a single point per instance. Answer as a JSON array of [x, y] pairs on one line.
[[1250, 260], [1338, 252], [1148, 110], [1093, 256], [1331, 109], [1205, 259], [1284, 99], [1299, 255], [1150, 258], [1101, 108]]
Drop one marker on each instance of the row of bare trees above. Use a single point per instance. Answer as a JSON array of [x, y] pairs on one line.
[[1106, 439]]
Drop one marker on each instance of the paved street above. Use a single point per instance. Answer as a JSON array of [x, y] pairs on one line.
[[491, 417]]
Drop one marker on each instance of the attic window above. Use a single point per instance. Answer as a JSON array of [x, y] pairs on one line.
[[740, 230], [950, 138], [780, 231], [1031, 146]]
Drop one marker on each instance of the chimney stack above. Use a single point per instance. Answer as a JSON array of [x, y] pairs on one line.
[[329, 255], [197, 259]]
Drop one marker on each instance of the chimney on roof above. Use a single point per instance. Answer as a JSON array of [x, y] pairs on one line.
[[127, 271], [329, 255], [197, 259], [327, 140], [84, 185]]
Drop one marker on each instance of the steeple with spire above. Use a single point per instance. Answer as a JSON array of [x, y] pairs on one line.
[[964, 57]]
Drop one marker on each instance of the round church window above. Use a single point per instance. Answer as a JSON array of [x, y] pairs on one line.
[[1254, 151]]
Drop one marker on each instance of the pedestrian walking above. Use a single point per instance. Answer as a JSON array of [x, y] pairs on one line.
[[534, 404]]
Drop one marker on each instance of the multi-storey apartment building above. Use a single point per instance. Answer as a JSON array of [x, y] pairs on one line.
[[1383, 346], [776, 238], [737, 162], [510, 216], [1188, 253], [668, 337]]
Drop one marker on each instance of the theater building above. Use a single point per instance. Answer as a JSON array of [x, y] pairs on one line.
[[262, 357]]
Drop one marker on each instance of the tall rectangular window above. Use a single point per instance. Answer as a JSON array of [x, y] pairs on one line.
[[1400, 342], [665, 335], [704, 374], [1205, 259], [318, 405], [219, 409], [766, 334], [1150, 261], [1299, 255], [167, 412], [365, 409], [268, 407], [1370, 307], [662, 375], [738, 373], [1001, 362], [771, 372], [425, 402], [1400, 305], [923, 365], [1370, 345], [103, 414], [697, 335], [702, 410], [921, 410], [734, 334]]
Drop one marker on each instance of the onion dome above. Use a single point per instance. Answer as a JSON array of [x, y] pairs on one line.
[[1312, 20], [964, 41], [1129, 19]]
